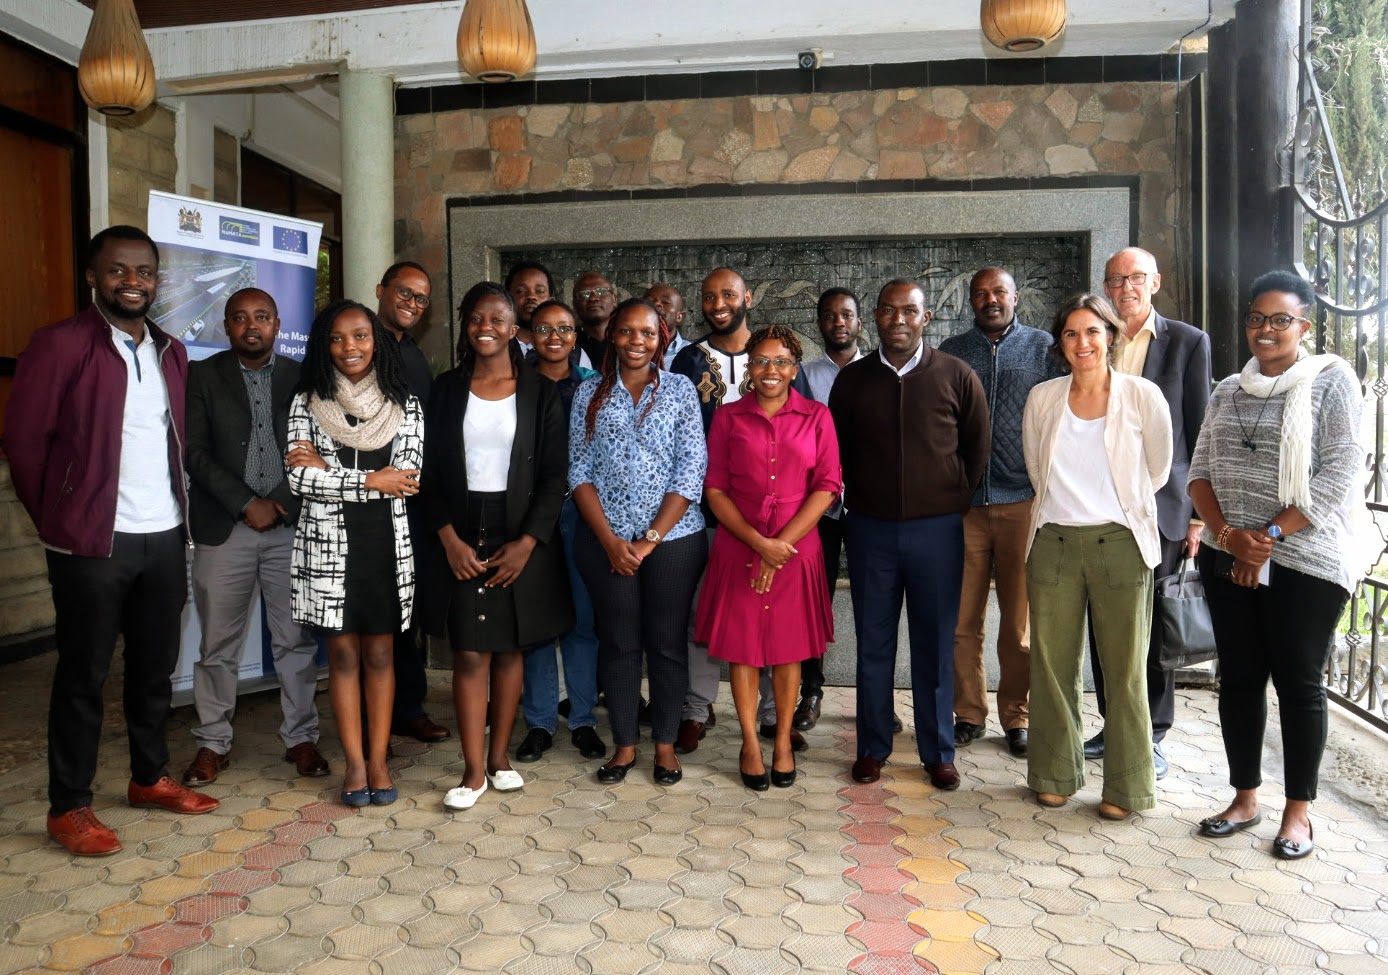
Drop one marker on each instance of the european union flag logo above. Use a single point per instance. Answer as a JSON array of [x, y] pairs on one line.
[[293, 241]]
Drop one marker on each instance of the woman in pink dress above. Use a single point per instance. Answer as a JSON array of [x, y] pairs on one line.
[[773, 470]]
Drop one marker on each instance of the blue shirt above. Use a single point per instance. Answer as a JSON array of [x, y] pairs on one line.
[[633, 461]]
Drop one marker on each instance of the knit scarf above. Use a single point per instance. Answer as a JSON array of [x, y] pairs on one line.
[[379, 417], [1294, 465]]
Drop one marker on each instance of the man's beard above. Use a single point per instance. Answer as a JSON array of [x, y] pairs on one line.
[[736, 322]]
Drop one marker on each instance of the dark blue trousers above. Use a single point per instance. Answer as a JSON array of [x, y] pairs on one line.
[[921, 560]]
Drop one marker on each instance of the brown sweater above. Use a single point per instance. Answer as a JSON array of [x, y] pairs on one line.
[[912, 446]]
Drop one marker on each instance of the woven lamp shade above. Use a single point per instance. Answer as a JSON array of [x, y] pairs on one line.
[[1022, 25], [115, 71], [496, 40]]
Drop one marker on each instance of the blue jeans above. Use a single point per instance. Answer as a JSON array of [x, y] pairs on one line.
[[579, 647]]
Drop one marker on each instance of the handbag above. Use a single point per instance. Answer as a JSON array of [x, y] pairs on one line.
[[1184, 617]]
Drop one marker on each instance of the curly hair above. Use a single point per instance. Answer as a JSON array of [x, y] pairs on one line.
[[608, 371], [1095, 304], [467, 357], [318, 375], [777, 333]]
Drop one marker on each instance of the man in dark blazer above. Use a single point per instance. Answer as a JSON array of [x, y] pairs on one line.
[[242, 526], [1176, 357]]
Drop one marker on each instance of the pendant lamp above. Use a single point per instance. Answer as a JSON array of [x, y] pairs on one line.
[[1022, 25], [115, 72], [496, 40]]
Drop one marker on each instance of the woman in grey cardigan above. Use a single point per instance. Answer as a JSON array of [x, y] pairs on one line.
[[1274, 477], [355, 443]]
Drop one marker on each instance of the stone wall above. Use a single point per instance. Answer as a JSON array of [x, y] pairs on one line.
[[25, 604], [946, 135], [141, 158]]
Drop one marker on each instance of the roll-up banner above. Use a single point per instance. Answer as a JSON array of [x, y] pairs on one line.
[[207, 253]]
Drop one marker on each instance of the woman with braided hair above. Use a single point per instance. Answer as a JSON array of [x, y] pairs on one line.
[[636, 465]]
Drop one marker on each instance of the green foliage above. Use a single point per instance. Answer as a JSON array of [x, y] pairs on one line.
[[1353, 72]]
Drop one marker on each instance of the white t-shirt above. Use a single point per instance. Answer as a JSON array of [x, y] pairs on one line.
[[145, 499], [1080, 490], [489, 429]]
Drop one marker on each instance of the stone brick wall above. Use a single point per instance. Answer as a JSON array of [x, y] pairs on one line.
[[946, 133], [25, 604], [141, 158]]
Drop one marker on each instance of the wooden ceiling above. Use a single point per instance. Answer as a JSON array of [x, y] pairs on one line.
[[181, 13]]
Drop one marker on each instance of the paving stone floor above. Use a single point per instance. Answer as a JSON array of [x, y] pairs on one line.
[[569, 876]]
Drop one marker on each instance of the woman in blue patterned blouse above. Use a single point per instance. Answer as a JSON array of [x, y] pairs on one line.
[[636, 465]]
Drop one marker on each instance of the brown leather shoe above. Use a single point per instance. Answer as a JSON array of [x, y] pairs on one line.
[[943, 775], [422, 728], [867, 770], [82, 834], [204, 767], [168, 794], [690, 734], [308, 760]]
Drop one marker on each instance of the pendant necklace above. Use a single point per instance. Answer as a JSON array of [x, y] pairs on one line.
[[1248, 435]]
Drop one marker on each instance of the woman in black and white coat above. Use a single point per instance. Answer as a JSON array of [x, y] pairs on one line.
[[355, 447]]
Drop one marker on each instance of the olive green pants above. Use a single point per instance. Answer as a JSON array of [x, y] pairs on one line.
[[1096, 569]]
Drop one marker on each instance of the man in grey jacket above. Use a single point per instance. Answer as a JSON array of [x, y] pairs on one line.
[[1010, 358]]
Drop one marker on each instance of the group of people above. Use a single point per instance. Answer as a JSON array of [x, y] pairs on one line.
[[586, 478]]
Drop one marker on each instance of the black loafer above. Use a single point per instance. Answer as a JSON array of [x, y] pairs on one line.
[[537, 742], [588, 743], [1018, 739], [757, 783], [612, 774], [1285, 849], [667, 776], [1217, 828], [965, 732]]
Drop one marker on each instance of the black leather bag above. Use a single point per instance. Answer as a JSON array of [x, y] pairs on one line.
[[1187, 634]]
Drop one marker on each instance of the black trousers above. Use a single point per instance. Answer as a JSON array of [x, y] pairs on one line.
[[1161, 684], [831, 540], [643, 615], [138, 593], [1281, 631]]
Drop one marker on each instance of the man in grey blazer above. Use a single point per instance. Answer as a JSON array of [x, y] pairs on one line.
[[1176, 357], [242, 517]]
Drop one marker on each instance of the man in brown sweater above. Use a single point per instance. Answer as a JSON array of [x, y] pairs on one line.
[[912, 424]]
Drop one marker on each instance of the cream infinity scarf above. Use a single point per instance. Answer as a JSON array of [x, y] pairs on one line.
[[379, 417]]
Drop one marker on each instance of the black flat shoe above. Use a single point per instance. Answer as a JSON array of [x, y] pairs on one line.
[[611, 774], [1215, 827], [757, 783], [1285, 849], [667, 776], [782, 780]]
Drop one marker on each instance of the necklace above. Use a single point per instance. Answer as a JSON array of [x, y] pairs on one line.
[[1248, 435]]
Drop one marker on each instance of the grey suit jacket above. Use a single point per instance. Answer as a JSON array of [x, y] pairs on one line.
[[219, 424], [1178, 361]]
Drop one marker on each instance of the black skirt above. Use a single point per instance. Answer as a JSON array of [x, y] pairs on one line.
[[480, 617], [371, 602]]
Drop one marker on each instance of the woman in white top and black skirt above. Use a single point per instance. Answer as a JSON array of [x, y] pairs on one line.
[[497, 476]]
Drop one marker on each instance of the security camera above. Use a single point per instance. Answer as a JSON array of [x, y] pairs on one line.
[[810, 60]]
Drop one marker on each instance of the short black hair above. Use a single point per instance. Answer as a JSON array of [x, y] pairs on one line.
[[1285, 281], [520, 266], [120, 231], [906, 283], [399, 266], [832, 293], [554, 303]]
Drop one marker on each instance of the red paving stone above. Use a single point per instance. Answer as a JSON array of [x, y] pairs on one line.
[[243, 881], [325, 812], [878, 880], [886, 936], [301, 832], [884, 907], [268, 856], [206, 908], [874, 832], [131, 965], [162, 940], [875, 855]]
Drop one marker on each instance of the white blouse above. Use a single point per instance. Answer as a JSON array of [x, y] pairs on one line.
[[489, 429], [1081, 489]]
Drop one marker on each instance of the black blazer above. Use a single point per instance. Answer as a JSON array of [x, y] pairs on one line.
[[219, 424], [1178, 361], [535, 488]]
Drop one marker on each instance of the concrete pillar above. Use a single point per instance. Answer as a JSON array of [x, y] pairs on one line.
[[368, 171]]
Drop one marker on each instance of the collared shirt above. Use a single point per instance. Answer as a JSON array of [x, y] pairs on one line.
[[145, 499], [1130, 354], [264, 463], [637, 457], [911, 363], [820, 374], [677, 342]]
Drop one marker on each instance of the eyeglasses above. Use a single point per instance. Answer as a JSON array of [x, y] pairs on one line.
[[406, 295], [563, 331], [1281, 323], [587, 293], [1137, 279], [761, 362]]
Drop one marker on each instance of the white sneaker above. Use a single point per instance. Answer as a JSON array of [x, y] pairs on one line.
[[462, 797], [506, 780]]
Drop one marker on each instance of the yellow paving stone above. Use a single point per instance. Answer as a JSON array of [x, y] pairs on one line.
[[931, 870], [945, 925], [206, 863], [81, 951], [921, 825], [265, 818], [932, 845], [166, 890], [236, 840], [125, 918], [950, 957]]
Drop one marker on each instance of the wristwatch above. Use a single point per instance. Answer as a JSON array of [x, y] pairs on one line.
[[652, 536], [1274, 531]]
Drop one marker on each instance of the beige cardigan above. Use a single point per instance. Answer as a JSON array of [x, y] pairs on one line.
[[1137, 436]]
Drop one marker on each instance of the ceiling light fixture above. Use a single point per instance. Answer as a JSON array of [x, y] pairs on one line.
[[496, 40], [115, 71], [1021, 26]]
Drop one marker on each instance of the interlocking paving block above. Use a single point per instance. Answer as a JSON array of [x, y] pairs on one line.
[[23, 904], [206, 908], [79, 952], [331, 966], [394, 840], [1370, 922], [1199, 932], [44, 929], [769, 875], [754, 932], [618, 956], [693, 884], [654, 867], [1085, 958], [370, 863], [460, 899], [316, 920], [435, 930], [695, 912], [584, 878], [821, 953], [957, 956], [284, 954], [1272, 881], [415, 880], [507, 919], [946, 925], [345, 891], [487, 953], [634, 926], [689, 943], [1280, 952], [754, 961], [1177, 903], [364, 941], [165, 890], [988, 884], [22, 958], [1089, 929], [124, 918], [1054, 901], [245, 930], [1157, 878], [641, 895], [1227, 891], [1148, 947], [577, 907], [819, 919], [1015, 942], [411, 960], [661, 844], [598, 853], [890, 937], [1355, 965], [559, 839], [1252, 919], [442, 853], [1331, 937], [477, 871]]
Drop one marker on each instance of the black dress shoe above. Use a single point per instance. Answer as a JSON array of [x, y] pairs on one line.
[[1217, 828], [807, 712], [867, 770], [1094, 747], [667, 776], [797, 740], [897, 726], [587, 742], [757, 783], [611, 774], [537, 742], [1017, 740], [782, 780], [965, 732]]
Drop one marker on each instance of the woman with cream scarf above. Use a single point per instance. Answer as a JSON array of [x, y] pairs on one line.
[[355, 444], [1276, 477]]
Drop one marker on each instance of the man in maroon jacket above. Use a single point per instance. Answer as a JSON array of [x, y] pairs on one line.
[[94, 433]]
